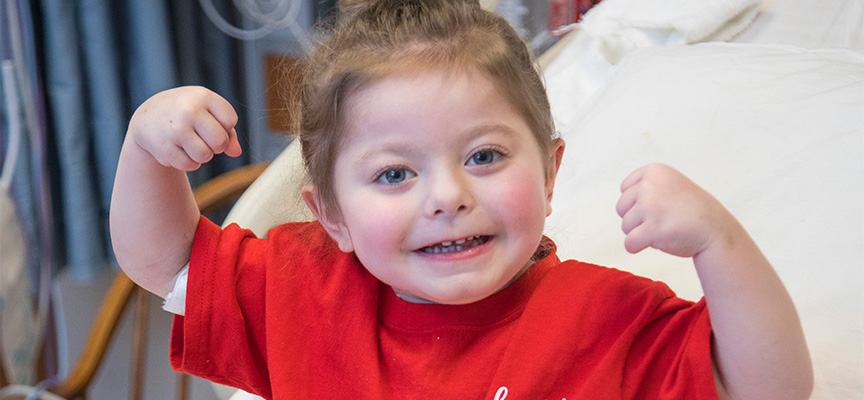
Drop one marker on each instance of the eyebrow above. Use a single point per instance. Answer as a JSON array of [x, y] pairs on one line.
[[386, 148], [483, 129], [494, 127]]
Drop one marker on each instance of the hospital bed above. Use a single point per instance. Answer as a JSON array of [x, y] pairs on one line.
[[764, 109]]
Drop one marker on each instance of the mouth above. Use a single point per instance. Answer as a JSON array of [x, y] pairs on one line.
[[455, 246]]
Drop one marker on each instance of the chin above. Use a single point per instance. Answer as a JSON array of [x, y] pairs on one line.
[[456, 299]]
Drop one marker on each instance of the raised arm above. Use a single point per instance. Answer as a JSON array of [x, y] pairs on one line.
[[759, 348], [153, 213]]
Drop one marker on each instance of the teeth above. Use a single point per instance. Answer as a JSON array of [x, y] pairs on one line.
[[452, 246]]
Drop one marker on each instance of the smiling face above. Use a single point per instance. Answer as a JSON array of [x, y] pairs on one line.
[[440, 185]]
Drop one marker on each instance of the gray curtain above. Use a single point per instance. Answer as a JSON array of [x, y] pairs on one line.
[[73, 73], [101, 59], [85, 65]]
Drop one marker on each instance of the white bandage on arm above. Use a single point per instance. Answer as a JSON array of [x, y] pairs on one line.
[[175, 302]]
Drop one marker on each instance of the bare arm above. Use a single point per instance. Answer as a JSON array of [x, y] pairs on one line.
[[759, 348], [756, 326], [153, 213]]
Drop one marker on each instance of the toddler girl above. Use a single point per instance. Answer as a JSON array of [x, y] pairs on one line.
[[432, 159]]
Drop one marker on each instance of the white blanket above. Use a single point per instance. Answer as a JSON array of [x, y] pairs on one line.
[[622, 26]]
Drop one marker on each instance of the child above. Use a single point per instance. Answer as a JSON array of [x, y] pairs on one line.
[[429, 144]]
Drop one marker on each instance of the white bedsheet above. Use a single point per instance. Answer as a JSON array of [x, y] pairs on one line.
[[775, 133]]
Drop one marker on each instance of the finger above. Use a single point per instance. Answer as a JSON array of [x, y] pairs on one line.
[[196, 149], [222, 110], [175, 157], [637, 240], [632, 179], [631, 220], [626, 201], [212, 133]]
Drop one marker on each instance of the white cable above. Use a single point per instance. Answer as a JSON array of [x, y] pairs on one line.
[[14, 113], [31, 392], [232, 30], [282, 14], [60, 331], [301, 37], [20, 72], [254, 10], [37, 392]]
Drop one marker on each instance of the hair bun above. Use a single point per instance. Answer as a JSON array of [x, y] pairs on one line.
[[348, 9]]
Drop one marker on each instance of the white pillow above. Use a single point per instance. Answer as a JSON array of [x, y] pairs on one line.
[[274, 198]]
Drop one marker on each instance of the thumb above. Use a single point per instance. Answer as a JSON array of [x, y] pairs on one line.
[[233, 149]]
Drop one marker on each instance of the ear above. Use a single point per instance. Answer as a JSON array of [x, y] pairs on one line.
[[331, 221], [556, 154]]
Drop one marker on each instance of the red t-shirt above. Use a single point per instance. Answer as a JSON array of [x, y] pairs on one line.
[[293, 317]]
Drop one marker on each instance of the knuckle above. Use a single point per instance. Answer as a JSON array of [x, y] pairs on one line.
[[197, 92], [187, 112], [220, 142]]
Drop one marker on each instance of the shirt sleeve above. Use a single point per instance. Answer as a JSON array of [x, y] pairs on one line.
[[221, 337], [671, 356]]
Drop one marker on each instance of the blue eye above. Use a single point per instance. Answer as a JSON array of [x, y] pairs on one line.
[[484, 157], [394, 175]]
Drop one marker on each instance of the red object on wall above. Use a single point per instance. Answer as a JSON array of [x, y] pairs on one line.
[[566, 12]]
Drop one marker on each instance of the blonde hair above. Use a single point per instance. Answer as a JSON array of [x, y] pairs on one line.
[[373, 39]]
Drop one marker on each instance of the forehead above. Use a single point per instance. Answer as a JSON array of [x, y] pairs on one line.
[[418, 86], [423, 104]]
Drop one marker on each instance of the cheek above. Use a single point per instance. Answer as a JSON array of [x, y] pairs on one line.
[[522, 197], [360, 208], [377, 229], [376, 222]]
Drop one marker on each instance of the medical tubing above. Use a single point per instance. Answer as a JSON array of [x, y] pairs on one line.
[[270, 21], [60, 331], [31, 392], [14, 18], [13, 112]]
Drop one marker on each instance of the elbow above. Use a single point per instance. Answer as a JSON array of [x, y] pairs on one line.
[[803, 386], [796, 387], [801, 383], [799, 390], [796, 383]]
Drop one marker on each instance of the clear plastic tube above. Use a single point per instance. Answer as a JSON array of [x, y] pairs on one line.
[[282, 14], [13, 112], [19, 74], [31, 392]]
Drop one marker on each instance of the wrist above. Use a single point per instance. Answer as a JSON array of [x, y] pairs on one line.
[[728, 247]]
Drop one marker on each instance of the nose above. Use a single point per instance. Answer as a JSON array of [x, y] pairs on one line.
[[449, 193]]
